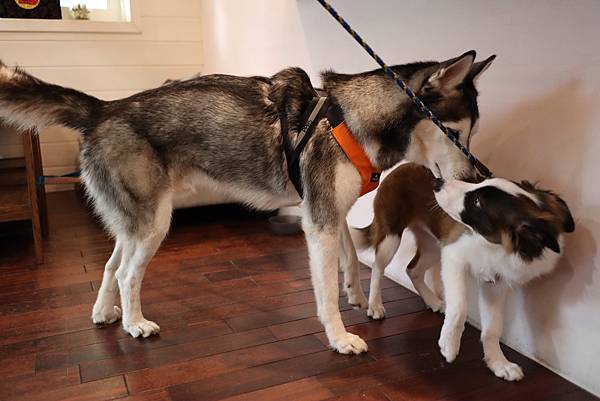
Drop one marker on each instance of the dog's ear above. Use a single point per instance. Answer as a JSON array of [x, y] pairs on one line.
[[479, 68], [531, 237], [557, 205], [452, 72], [568, 222]]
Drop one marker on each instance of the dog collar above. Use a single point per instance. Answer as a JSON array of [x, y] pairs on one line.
[[369, 175]]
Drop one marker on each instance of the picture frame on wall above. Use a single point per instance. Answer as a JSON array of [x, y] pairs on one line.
[[32, 9]]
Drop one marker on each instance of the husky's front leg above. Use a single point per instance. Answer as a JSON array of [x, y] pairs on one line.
[[454, 271], [492, 298], [350, 268], [323, 249]]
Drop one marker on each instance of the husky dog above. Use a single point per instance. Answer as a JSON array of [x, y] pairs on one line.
[[503, 233], [224, 132]]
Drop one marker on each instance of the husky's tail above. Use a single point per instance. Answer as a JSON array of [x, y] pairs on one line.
[[30, 103], [361, 237]]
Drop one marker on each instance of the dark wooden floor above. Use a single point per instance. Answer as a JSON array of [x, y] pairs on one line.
[[237, 316]]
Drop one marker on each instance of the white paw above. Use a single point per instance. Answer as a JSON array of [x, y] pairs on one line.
[[142, 328], [376, 311], [506, 370], [449, 343], [436, 305], [348, 343], [356, 297], [106, 315]]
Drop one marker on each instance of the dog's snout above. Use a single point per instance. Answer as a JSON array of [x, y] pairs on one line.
[[438, 183]]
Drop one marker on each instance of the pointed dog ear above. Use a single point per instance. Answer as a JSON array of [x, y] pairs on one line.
[[479, 68], [530, 238], [452, 72]]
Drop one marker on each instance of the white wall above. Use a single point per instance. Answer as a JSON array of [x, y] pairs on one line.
[[106, 65], [258, 37], [540, 107]]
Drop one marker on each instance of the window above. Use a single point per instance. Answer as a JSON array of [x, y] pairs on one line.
[[100, 10], [105, 16], [90, 4]]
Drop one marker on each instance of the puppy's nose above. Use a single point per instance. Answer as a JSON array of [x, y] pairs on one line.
[[438, 183]]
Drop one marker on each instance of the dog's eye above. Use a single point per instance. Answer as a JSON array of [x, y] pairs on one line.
[[477, 202]]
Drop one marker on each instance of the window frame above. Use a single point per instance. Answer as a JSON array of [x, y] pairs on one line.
[[75, 26]]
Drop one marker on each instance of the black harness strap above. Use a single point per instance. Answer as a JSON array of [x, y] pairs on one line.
[[318, 108]]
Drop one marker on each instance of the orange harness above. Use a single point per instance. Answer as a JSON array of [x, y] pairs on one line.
[[369, 175], [322, 107]]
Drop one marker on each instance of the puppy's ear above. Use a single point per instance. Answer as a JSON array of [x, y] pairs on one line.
[[568, 223], [451, 72], [530, 238], [557, 205], [479, 68]]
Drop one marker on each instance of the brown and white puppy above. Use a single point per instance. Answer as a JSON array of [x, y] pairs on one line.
[[503, 233]]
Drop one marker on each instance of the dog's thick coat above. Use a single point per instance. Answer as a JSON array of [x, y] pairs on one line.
[[224, 132], [504, 234]]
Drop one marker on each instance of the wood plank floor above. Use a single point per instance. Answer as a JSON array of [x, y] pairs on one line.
[[237, 320]]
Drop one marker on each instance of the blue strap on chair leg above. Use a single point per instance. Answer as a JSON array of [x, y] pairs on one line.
[[48, 179]]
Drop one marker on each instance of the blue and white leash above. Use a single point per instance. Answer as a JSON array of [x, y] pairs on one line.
[[483, 170]]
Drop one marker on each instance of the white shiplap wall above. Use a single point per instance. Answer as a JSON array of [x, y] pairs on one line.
[[106, 65]]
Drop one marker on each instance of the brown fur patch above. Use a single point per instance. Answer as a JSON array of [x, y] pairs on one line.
[[553, 209], [507, 242], [406, 196]]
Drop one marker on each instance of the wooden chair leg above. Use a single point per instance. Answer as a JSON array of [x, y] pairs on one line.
[[37, 240], [41, 188], [28, 152]]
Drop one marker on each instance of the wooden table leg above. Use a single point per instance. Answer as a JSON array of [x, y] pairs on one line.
[[28, 152]]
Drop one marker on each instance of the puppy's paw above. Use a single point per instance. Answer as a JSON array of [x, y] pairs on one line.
[[141, 327], [356, 297], [348, 343], [106, 315], [376, 311], [449, 343], [435, 304], [506, 370]]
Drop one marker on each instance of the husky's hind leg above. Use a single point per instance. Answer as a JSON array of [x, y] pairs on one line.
[[139, 248], [105, 311], [131, 189]]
